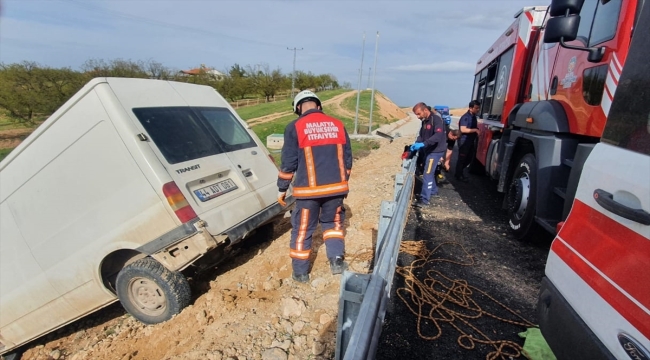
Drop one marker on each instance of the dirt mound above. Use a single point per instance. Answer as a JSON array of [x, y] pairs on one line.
[[388, 109], [457, 112], [249, 308]]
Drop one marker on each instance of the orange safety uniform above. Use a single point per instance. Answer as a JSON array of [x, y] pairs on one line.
[[317, 157]]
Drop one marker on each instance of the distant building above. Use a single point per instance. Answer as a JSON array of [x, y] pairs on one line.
[[218, 75]]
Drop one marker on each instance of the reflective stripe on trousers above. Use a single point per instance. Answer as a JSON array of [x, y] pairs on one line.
[[429, 186], [306, 216]]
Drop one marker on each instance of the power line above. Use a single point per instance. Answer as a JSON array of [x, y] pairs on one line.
[[293, 73], [141, 19]]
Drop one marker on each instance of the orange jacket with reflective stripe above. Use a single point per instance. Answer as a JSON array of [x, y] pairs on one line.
[[316, 155]]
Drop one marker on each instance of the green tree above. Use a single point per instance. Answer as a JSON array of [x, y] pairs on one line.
[[156, 70], [227, 87], [27, 89], [115, 68], [238, 82], [237, 71], [266, 82], [304, 80], [325, 82]]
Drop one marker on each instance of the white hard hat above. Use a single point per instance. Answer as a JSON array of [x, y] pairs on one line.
[[302, 97]]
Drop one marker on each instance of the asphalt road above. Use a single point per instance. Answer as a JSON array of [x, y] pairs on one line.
[[473, 287]]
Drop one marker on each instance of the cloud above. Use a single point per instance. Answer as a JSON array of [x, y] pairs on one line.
[[447, 66]]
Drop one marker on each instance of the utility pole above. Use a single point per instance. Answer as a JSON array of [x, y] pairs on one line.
[[368, 84], [293, 74], [356, 116], [374, 72]]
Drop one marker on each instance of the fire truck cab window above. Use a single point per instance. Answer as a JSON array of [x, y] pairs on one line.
[[606, 21], [586, 20], [598, 21]]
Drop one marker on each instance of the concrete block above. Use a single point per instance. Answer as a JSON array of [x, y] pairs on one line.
[[275, 141]]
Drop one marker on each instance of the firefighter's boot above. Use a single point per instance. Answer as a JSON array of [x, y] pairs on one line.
[[302, 278], [337, 265]]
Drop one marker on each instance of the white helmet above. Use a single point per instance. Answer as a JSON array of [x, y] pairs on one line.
[[302, 97]]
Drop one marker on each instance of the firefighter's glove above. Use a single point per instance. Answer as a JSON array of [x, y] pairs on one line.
[[417, 146], [281, 198]]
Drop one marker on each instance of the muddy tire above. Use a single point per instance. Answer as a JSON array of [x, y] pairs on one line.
[[150, 292], [522, 197]]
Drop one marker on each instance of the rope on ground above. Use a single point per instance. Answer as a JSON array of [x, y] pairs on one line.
[[362, 255], [443, 300]]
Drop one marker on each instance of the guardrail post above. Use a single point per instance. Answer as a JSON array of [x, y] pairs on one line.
[[406, 164], [387, 211], [399, 184], [353, 288]]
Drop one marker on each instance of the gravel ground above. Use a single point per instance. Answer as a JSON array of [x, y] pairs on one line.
[[483, 282]]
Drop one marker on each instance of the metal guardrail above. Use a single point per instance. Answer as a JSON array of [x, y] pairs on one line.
[[363, 297]]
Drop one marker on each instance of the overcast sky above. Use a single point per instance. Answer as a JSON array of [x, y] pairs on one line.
[[427, 49]]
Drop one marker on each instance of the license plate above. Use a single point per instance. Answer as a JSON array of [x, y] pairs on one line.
[[214, 190]]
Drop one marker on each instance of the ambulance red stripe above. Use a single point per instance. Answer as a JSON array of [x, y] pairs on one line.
[[614, 274]]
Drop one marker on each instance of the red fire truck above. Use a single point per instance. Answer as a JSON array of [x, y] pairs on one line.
[[545, 104]]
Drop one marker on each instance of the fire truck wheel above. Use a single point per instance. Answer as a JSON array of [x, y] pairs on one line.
[[522, 197], [150, 292]]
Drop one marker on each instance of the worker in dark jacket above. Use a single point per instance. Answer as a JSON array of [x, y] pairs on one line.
[[317, 157], [469, 132], [432, 141]]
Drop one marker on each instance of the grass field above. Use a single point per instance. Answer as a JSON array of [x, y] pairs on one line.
[[350, 104], [272, 127], [277, 126], [4, 152], [251, 112], [359, 148], [8, 122]]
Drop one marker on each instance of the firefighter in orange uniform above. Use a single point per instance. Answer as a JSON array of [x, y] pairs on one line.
[[317, 157]]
